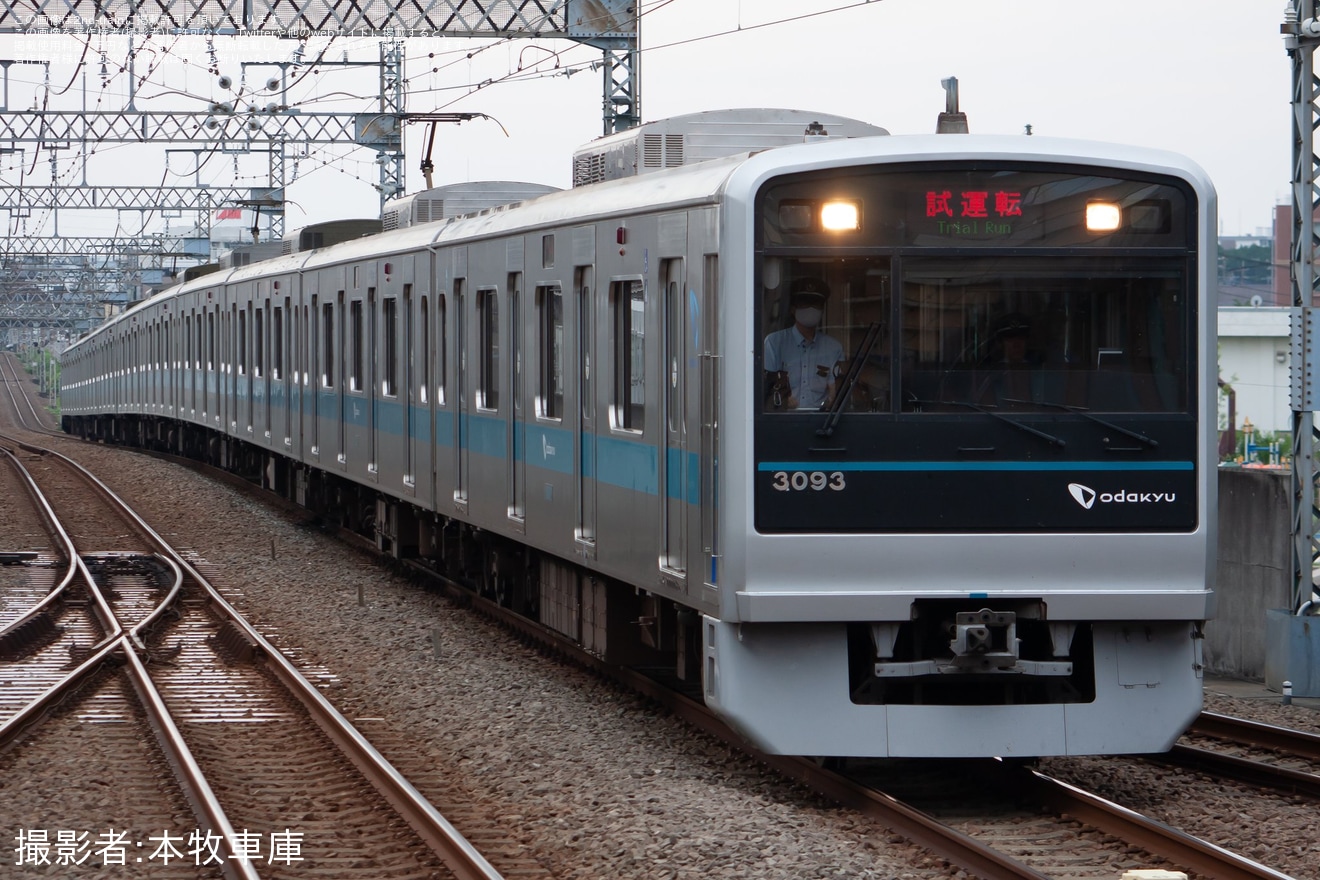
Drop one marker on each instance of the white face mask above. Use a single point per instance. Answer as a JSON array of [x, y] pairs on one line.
[[808, 317]]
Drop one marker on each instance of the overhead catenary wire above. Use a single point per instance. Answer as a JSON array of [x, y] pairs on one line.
[[310, 78]]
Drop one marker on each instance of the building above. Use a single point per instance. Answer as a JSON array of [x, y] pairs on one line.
[[1254, 366]]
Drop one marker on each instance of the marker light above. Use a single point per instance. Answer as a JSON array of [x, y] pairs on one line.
[[841, 216], [1103, 216], [795, 216]]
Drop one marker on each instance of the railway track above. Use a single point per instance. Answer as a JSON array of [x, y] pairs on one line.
[[274, 750], [1250, 752], [1007, 852], [1013, 823]]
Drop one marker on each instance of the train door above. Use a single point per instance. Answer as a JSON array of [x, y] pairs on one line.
[[136, 384], [283, 363], [462, 400], [317, 363], [585, 533], [441, 410], [230, 348], [149, 354], [408, 399], [674, 475], [517, 454], [157, 365], [261, 369], [341, 362], [368, 364], [246, 364], [710, 448], [208, 377], [298, 371], [187, 377], [267, 348], [309, 344], [200, 410], [164, 330]]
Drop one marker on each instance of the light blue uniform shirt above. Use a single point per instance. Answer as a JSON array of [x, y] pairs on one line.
[[809, 363]]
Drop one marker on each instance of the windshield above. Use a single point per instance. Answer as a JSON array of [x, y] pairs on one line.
[[1027, 334], [816, 315], [1106, 335]]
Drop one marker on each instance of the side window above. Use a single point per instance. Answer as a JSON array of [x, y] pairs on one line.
[[488, 328], [424, 365], [355, 373], [441, 348], [242, 342], [550, 382], [328, 346], [277, 343], [628, 301], [390, 381], [259, 343]]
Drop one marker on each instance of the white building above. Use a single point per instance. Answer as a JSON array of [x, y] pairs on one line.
[[1253, 359]]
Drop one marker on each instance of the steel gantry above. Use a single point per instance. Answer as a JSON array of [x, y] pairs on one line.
[[1301, 30], [608, 25]]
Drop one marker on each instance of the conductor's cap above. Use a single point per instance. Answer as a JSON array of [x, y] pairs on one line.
[[810, 290]]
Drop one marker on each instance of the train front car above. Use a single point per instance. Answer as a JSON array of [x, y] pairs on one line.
[[968, 408]]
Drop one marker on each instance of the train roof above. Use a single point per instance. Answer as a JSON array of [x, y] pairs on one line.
[[705, 183], [971, 148], [677, 188]]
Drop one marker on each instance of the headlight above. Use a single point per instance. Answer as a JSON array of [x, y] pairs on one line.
[[841, 216], [1103, 216]]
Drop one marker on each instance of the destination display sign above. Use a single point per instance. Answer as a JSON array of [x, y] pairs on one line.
[[997, 207]]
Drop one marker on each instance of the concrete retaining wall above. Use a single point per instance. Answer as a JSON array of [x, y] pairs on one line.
[[1254, 569]]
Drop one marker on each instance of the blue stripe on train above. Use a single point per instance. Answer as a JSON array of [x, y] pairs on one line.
[[616, 461], [976, 466]]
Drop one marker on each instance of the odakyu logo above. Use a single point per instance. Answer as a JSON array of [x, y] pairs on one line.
[[1088, 497], [1083, 495]]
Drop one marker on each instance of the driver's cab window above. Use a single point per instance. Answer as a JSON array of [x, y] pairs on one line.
[[825, 334], [1043, 335]]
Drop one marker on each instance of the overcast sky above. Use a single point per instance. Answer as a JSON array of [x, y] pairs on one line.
[[1210, 80]]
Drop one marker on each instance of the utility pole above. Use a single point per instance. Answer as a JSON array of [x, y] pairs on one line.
[[1301, 31], [1292, 645]]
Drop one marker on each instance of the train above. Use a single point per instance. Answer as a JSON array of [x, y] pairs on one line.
[[889, 445]]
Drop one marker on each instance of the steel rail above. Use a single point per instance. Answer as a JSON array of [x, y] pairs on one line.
[[195, 787], [921, 829], [165, 604], [52, 523], [445, 840], [16, 379], [1188, 852], [101, 607], [206, 806], [1242, 769], [15, 724], [1268, 736], [124, 645]]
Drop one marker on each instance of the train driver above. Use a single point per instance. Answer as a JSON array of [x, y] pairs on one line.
[[801, 361]]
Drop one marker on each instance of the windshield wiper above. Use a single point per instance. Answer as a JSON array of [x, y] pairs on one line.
[[1083, 412], [849, 380], [1048, 438]]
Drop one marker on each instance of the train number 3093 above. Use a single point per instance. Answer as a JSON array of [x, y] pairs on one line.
[[800, 481]]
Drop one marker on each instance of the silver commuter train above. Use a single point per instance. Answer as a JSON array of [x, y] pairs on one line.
[[570, 402]]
